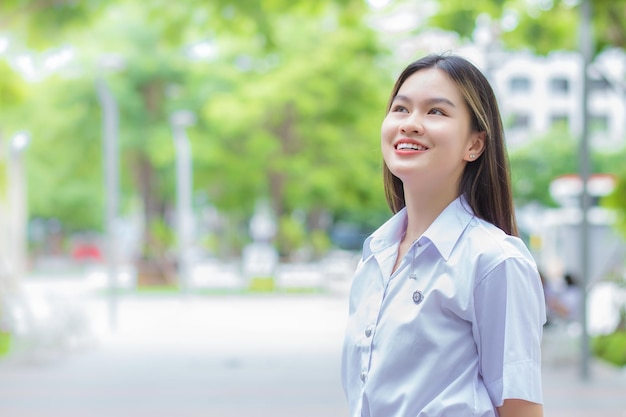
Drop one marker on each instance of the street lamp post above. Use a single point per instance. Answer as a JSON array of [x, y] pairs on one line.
[[110, 151], [586, 49], [18, 206], [184, 190]]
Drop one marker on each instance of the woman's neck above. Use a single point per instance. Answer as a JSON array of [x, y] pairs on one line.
[[422, 209]]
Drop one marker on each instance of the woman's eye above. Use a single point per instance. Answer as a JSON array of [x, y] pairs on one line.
[[436, 111], [401, 109]]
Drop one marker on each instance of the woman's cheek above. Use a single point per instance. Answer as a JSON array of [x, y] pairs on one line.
[[387, 131]]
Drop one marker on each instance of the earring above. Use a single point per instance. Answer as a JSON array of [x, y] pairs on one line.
[[472, 156]]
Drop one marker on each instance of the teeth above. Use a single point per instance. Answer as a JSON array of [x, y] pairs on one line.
[[412, 146]]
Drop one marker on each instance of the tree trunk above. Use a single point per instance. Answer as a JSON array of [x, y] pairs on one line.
[[154, 266]]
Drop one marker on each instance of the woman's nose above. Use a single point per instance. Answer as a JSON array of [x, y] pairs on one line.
[[412, 124]]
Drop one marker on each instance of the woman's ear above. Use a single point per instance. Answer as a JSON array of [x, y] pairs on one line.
[[477, 146]]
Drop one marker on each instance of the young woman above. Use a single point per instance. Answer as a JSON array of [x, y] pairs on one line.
[[446, 305]]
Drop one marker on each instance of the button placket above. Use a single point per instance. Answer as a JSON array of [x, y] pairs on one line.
[[412, 274], [363, 375], [418, 246]]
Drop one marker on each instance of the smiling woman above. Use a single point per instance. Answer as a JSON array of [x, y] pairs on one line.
[[439, 282], [428, 117]]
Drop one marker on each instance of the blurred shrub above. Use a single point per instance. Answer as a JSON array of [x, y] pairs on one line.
[[611, 347], [163, 238], [320, 242], [291, 235], [5, 342], [262, 284]]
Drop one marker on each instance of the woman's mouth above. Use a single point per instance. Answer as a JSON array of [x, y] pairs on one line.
[[409, 146]]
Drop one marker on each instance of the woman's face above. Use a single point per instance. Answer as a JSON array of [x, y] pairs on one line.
[[426, 137]]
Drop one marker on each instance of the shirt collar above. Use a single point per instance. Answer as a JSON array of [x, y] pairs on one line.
[[389, 233], [444, 232]]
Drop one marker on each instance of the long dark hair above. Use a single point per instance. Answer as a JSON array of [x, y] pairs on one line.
[[485, 182]]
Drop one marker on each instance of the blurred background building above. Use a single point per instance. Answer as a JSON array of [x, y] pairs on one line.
[[537, 92]]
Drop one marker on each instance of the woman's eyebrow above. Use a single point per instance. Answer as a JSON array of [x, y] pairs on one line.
[[429, 101], [439, 100]]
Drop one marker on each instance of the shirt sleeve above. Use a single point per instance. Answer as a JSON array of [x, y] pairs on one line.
[[510, 313]]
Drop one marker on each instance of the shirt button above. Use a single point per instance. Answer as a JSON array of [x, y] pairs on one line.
[[363, 376], [368, 331]]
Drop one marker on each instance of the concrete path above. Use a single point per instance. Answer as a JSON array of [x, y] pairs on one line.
[[222, 356], [226, 356]]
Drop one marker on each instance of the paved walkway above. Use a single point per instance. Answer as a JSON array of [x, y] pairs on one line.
[[566, 392], [567, 395], [224, 356]]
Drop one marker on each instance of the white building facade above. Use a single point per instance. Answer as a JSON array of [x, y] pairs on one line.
[[537, 92]]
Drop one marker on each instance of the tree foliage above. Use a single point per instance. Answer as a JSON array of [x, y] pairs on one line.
[[305, 130], [537, 163], [288, 103], [280, 115], [63, 157], [617, 199], [540, 26]]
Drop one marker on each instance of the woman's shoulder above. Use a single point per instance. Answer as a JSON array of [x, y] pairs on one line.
[[490, 249], [489, 242]]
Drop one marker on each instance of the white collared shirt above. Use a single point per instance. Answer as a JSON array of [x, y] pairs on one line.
[[454, 331]]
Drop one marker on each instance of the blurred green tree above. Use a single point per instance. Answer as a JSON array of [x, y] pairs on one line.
[[617, 199], [63, 156], [12, 91], [40, 24], [301, 126], [289, 103], [537, 163], [543, 27], [289, 108], [540, 26]]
